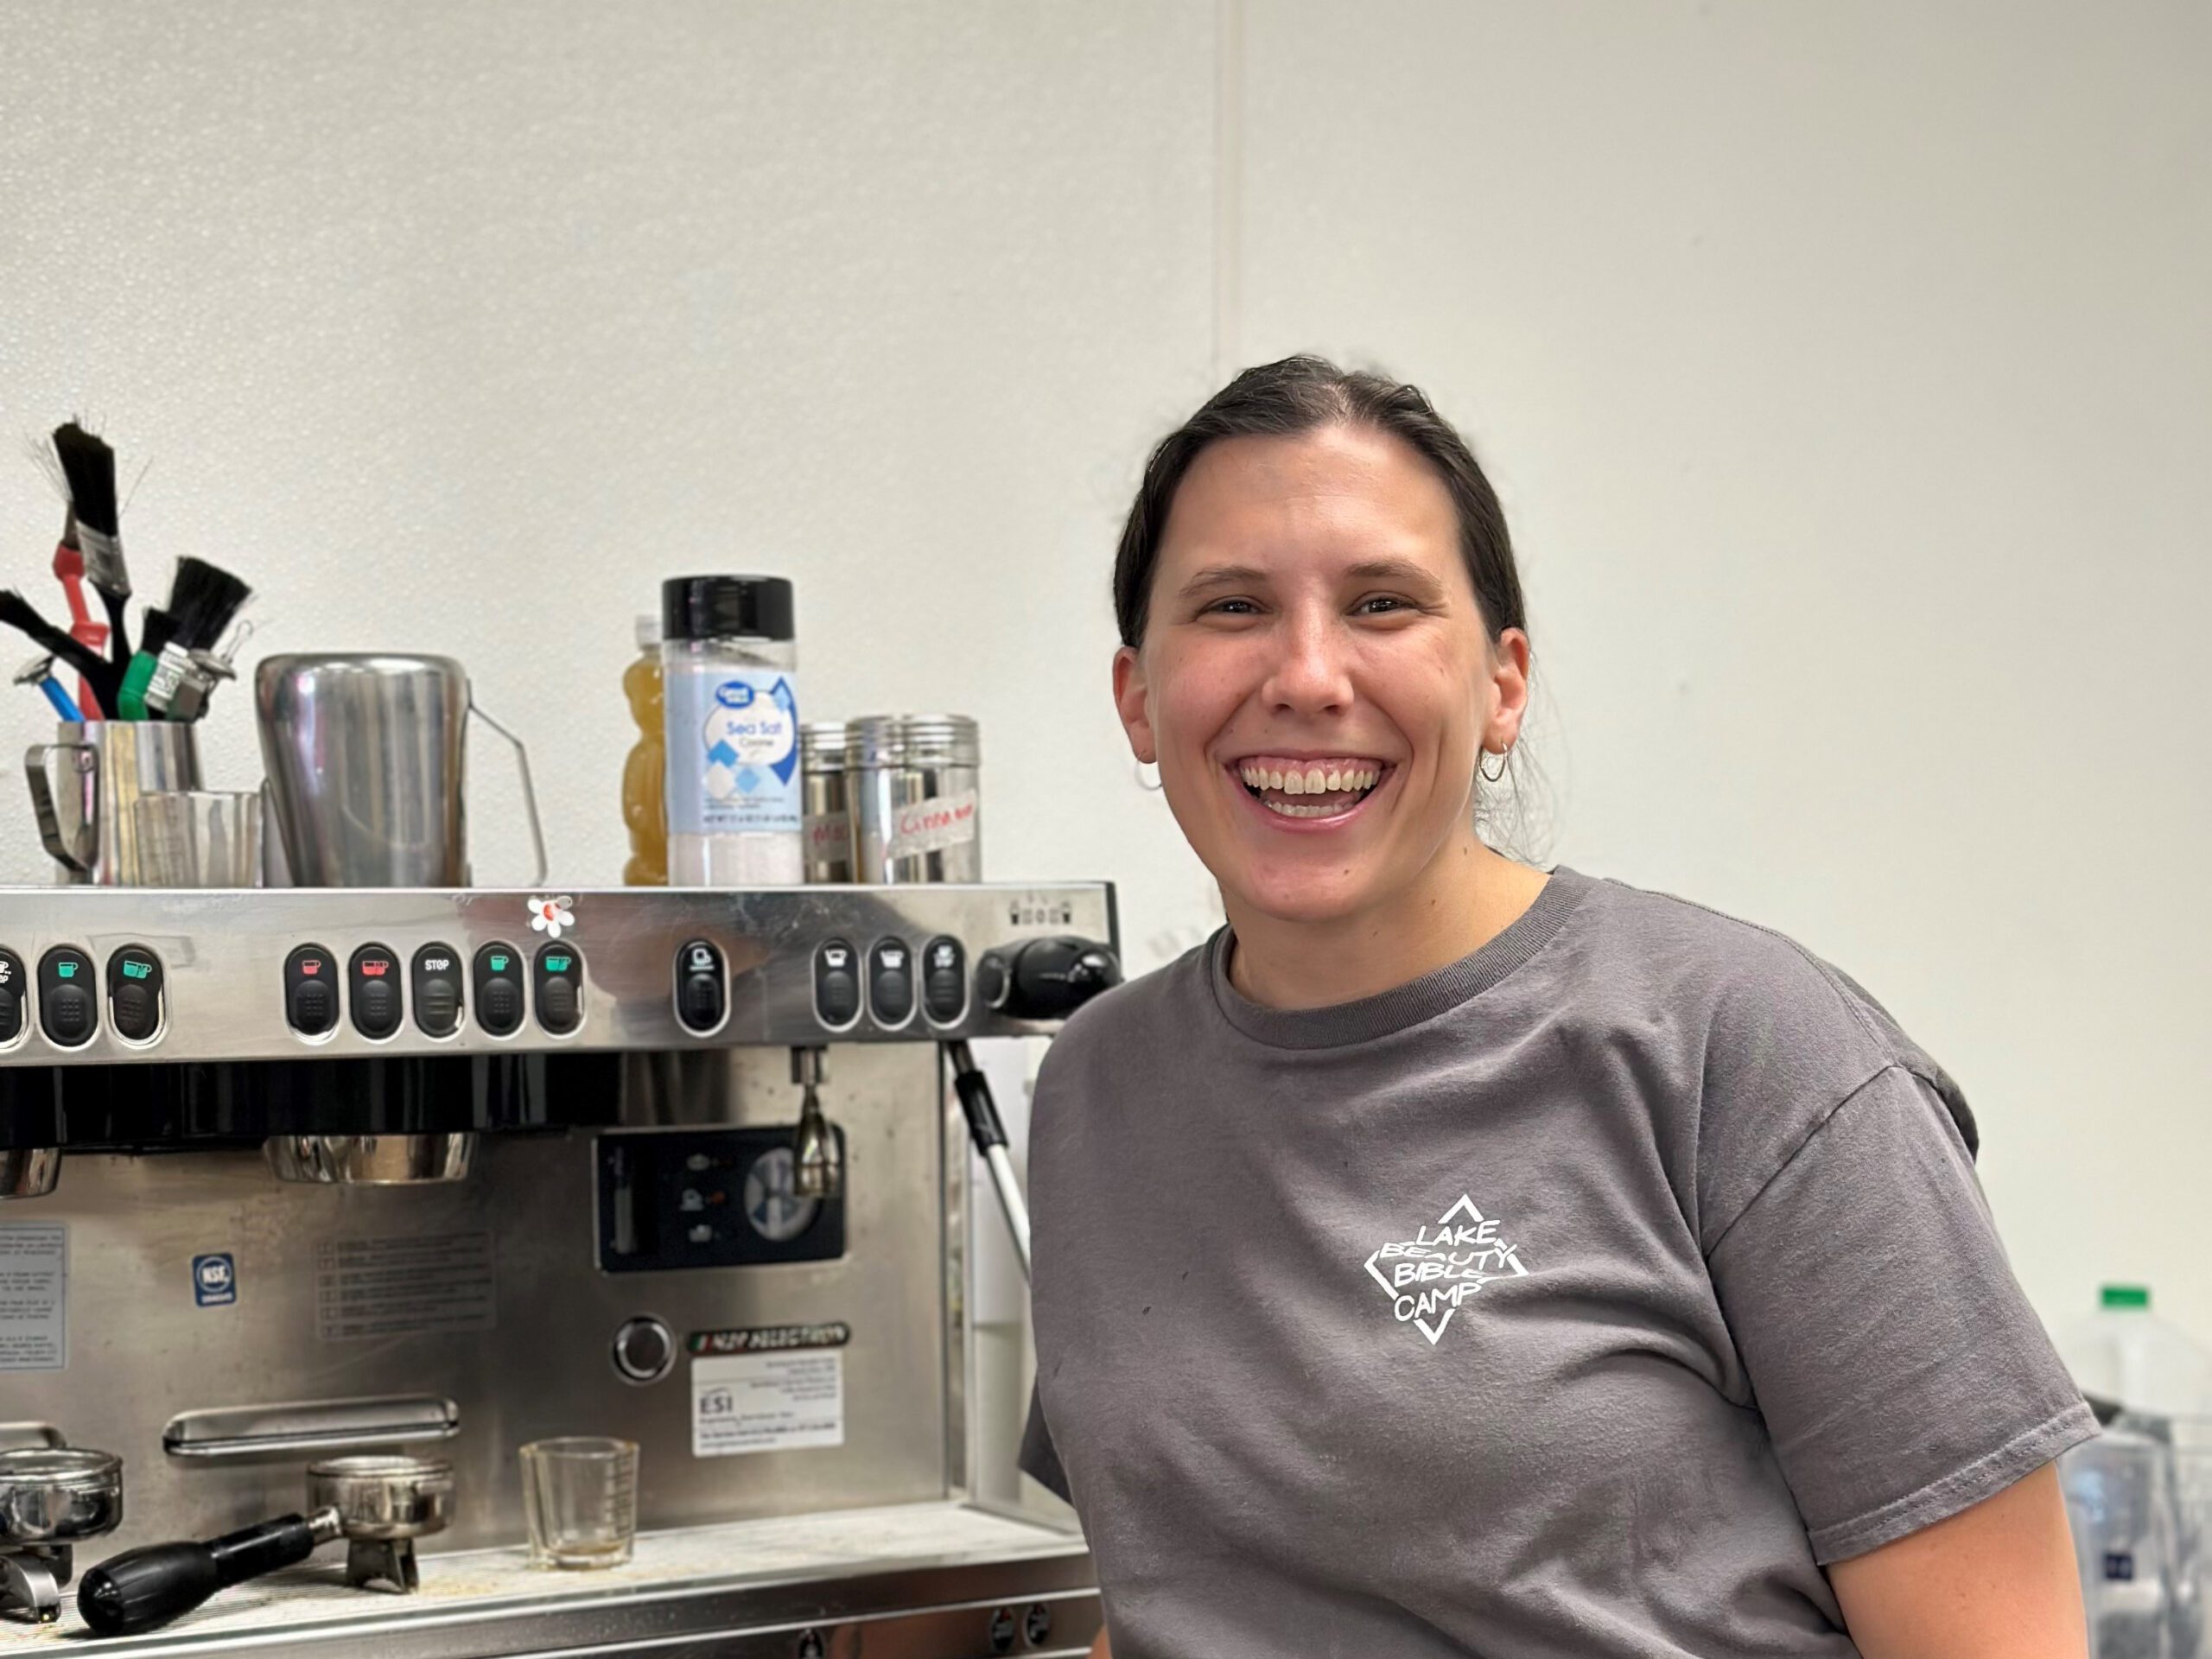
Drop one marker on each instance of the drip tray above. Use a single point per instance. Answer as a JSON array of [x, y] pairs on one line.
[[962, 1578]]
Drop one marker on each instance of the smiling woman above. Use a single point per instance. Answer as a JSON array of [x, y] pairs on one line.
[[1452, 1257]]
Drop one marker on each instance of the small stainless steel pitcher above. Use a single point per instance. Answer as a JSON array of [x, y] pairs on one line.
[[365, 756], [85, 787]]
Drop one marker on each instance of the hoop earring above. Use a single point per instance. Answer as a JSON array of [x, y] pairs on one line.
[[1505, 755], [1150, 784]]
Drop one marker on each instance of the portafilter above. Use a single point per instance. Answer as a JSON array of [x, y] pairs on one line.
[[383, 1504], [51, 1497]]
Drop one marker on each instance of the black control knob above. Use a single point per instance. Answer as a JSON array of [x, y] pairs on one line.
[[498, 1007], [1046, 979], [556, 1006], [311, 990], [699, 1000], [11, 997], [437, 990], [68, 1004], [559, 973], [836, 983], [891, 982], [499, 990], [133, 993], [374, 974], [136, 1016], [945, 979]]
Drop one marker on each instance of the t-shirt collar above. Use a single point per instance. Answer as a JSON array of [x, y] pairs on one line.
[[1403, 1005]]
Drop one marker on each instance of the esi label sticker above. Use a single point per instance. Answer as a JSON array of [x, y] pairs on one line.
[[214, 1280], [786, 1394]]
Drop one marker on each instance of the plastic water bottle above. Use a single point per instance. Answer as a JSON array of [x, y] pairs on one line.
[[2116, 1491], [2162, 1379], [2126, 1353]]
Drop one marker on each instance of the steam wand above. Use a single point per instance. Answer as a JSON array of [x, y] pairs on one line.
[[989, 1134], [817, 1157]]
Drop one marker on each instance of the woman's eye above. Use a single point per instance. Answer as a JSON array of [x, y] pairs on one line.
[[1231, 608], [1380, 604]]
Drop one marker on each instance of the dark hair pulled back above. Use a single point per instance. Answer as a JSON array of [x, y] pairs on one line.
[[1303, 394]]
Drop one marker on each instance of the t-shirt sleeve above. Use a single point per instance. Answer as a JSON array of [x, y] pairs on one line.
[[1901, 1372], [1040, 1458]]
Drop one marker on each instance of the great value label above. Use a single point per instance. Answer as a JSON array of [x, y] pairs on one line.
[[768, 1402]]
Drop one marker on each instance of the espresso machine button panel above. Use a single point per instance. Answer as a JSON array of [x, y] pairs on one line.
[[13, 991], [68, 1002], [709, 1198], [437, 990], [499, 990], [559, 972], [311, 990], [701, 999], [134, 994], [836, 984], [891, 982], [944, 981], [372, 987]]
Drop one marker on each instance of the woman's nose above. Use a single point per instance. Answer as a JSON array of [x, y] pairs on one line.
[[1311, 676]]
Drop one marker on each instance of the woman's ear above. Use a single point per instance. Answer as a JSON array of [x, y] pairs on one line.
[[1508, 690], [1129, 702]]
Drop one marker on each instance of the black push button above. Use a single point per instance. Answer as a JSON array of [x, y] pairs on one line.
[[311, 990], [11, 997], [699, 1000], [499, 990], [68, 1005], [133, 993], [836, 983], [437, 990], [374, 985], [559, 971], [945, 979], [891, 982]]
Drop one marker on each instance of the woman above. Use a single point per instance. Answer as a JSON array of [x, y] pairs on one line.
[[1451, 1258]]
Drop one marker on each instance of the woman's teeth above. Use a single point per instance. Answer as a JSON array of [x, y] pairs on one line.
[[1342, 787]]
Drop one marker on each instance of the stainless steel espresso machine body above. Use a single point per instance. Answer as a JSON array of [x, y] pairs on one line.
[[299, 1175]]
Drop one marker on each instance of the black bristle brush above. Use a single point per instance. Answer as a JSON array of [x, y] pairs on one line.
[[102, 677], [91, 545], [203, 600]]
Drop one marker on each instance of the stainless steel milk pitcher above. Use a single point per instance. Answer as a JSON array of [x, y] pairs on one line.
[[365, 756], [86, 784]]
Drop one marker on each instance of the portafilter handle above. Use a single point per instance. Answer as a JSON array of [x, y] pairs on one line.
[[1046, 979], [143, 1588]]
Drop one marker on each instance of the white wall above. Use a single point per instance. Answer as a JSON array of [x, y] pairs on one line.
[[1847, 372]]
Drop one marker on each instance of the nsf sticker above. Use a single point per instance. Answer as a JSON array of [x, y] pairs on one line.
[[214, 1280]]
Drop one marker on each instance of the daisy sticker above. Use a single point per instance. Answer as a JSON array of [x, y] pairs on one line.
[[550, 916]]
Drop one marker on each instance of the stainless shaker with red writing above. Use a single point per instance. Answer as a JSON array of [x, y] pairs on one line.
[[911, 780], [826, 817]]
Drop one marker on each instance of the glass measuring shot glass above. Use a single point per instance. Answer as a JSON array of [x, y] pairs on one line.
[[579, 1494]]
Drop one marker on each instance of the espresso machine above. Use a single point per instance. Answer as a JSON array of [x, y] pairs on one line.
[[387, 1183]]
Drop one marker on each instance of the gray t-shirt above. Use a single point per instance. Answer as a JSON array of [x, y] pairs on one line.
[[1577, 1299]]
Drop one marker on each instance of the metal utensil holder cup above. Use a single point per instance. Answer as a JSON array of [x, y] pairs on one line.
[[85, 784]]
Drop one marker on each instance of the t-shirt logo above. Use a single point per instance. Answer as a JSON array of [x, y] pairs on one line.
[[1429, 1275]]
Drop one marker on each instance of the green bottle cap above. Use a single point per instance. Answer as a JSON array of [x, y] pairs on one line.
[[2136, 1296]]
